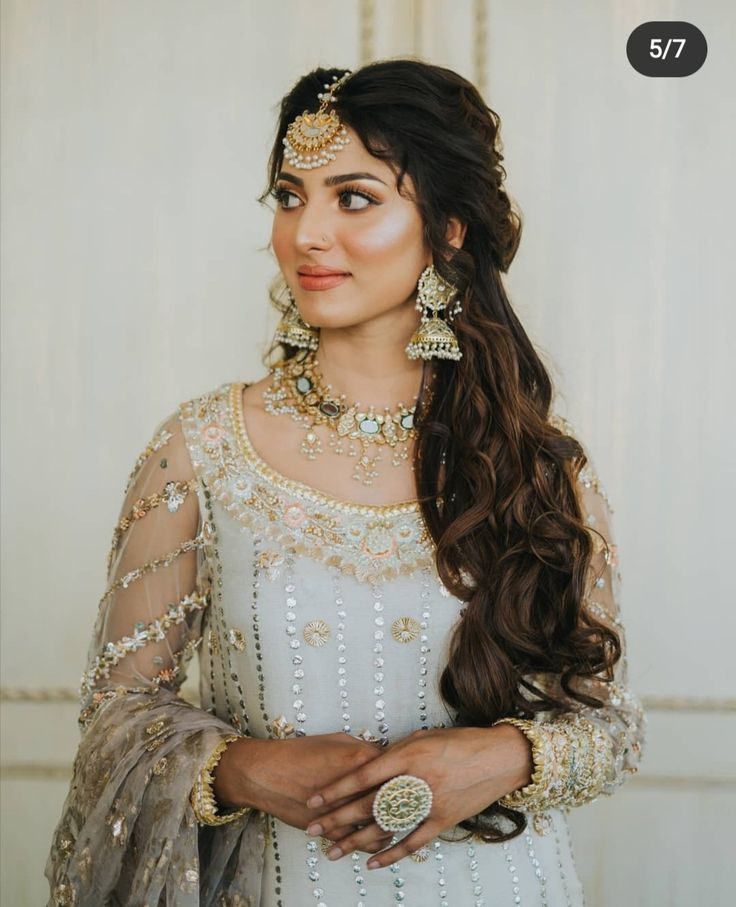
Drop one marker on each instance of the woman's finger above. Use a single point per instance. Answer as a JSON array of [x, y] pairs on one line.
[[370, 775], [356, 812], [343, 831], [370, 839], [421, 835]]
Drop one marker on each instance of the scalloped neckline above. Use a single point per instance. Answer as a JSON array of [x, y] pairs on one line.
[[301, 489]]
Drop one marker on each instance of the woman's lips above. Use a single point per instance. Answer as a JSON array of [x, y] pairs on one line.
[[321, 281]]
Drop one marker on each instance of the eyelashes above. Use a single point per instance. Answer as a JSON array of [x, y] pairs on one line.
[[281, 195]]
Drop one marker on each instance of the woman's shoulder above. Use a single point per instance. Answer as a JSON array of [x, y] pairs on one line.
[[206, 426], [251, 389], [174, 434]]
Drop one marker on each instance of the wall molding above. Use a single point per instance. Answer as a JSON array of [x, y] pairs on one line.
[[479, 43], [367, 31]]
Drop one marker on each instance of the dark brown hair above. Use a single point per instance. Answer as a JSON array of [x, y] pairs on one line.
[[495, 478]]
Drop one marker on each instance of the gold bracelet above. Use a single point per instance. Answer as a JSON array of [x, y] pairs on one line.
[[202, 796], [539, 782], [572, 758]]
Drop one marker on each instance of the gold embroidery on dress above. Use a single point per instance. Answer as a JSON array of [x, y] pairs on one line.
[[143, 634], [371, 542], [173, 495], [152, 566], [236, 639], [317, 632], [405, 629]]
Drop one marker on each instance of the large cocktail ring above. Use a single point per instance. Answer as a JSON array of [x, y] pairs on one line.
[[402, 803]]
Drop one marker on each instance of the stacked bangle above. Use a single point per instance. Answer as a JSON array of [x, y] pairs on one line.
[[202, 796]]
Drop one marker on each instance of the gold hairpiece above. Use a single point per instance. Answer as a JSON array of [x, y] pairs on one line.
[[313, 138]]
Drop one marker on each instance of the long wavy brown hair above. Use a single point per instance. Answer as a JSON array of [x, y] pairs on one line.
[[495, 478]]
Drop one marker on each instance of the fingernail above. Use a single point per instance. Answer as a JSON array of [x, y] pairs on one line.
[[333, 853], [315, 829], [373, 865], [316, 800]]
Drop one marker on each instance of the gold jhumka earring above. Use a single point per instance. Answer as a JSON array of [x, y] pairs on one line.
[[434, 338], [294, 331]]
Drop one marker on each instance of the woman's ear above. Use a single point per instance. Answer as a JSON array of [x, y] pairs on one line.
[[455, 233]]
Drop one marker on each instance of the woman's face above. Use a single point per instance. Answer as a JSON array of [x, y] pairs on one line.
[[350, 247]]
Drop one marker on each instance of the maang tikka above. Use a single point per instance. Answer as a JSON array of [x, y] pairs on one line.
[[434, 338], [312, 139]]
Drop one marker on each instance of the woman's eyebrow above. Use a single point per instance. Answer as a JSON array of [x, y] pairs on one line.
[[331, 180]]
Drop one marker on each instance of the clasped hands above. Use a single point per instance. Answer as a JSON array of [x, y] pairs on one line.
[[468, 768]]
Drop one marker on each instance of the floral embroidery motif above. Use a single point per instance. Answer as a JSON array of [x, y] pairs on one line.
[[316, 632], [281, 727], [270, 562], [236, 639], [175, 494], [371, 542], [405, 629]]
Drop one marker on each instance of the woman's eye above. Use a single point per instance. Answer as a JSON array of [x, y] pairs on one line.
[[363, 199], [350, 199], [282, 196]]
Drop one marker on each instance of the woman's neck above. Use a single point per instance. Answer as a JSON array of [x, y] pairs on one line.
[[368, 369]]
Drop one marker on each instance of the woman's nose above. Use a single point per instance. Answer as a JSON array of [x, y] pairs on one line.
[[313, 230]]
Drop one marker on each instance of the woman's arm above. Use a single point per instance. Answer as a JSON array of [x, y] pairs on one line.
[[128, 831], [586, 751]]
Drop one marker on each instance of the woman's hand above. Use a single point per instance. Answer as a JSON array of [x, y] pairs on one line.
[[467, 768], [277, 776]]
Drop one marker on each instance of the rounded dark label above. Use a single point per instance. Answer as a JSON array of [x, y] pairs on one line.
[[666, 49]]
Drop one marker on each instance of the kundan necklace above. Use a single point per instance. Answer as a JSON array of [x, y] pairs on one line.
[[297, 388]]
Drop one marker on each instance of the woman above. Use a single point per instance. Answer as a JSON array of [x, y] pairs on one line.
[[395, 560]]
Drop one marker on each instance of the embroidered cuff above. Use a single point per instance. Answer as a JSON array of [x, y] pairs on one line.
[[572, 760], [202, 796]]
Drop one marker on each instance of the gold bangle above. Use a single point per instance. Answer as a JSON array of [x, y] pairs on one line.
[[539, 783], [202, 796], [572, 758]]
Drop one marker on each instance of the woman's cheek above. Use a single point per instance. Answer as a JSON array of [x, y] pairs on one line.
[[393, 236]]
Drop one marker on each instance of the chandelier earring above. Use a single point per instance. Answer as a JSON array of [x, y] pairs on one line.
[[292, 330], [434, 338]]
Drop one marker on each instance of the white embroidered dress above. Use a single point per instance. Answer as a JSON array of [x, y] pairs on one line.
[[311, 616]]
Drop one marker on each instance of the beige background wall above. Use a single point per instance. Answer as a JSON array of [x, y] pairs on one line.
[[133, 146]]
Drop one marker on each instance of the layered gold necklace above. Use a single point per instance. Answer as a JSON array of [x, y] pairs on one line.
[[298, 388]]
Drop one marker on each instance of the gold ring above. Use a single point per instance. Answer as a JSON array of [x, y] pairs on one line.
[[402, 803]]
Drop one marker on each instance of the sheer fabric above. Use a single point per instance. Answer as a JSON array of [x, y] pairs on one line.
[[127, 833]]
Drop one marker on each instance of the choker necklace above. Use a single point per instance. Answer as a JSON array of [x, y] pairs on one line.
[[297, 388]]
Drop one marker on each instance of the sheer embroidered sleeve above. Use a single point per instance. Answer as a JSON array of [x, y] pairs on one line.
[[585, 751], [128, 831]]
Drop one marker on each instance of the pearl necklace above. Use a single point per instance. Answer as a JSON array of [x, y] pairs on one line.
[[297, 388]]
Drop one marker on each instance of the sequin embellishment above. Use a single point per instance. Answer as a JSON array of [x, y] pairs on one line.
[[236, 639]]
